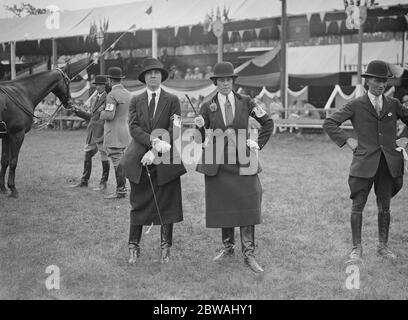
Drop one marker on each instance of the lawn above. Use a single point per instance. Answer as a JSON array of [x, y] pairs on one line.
[[302, 243]]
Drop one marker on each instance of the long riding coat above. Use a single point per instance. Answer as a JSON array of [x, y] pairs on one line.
[[165, 176], [233, 191]]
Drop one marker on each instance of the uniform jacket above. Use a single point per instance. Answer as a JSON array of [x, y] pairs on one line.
[[140, 131], [244, 107], [115, 116], [95, 126], [375, 134]]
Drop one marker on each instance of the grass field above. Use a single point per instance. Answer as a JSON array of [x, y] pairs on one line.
[[302, 244]]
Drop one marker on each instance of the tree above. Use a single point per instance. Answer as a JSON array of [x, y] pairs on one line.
[[24, 9]]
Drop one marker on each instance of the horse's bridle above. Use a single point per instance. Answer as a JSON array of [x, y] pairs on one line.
[[66, 79]]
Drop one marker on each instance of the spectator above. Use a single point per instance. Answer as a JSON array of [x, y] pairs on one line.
[[310, 111], [197, 75], [174, 72], [164, 58], [189, 74], [119, 61], [208, 72], [402, 129]]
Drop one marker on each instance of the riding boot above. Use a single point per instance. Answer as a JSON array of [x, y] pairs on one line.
[[3, 127], [135, 235], [228, 240], [383, 230], [356, 221], [120, 184], [166, 241], [248, 248], [86, 174], [105, 176]]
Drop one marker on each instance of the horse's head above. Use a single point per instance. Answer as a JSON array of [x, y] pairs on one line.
[[61, 90]]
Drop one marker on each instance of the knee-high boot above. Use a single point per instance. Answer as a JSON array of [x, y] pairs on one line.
[[356, 222], [228, 241], [135, 235], [166, 241], [86, 174], [248, 248], [120, 184], [105, 176], [384, 218]]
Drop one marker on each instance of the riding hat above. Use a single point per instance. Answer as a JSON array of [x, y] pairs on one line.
[[377, 69], [99, 79], [152, 64], [223, 69], [115, 73]]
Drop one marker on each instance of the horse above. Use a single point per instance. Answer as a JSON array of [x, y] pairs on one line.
[[18, 99]]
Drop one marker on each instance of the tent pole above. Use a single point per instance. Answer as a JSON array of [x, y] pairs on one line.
[[360, 53], [284, 75], [219, 48], [341, 51], [403, 49], [13, 59], [154, 43], [54, 53]]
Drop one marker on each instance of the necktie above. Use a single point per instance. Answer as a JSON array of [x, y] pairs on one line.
[[377, 105], [229, 116], [152, 104]]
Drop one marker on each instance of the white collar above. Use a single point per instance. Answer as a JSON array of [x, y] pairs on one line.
[[223, 98], [373, 97], [150, 92], [116, 85]]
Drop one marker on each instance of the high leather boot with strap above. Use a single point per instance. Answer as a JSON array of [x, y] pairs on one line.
[[105, 176], [384, 218], [248, 248], [228, 240], [86, 174], [135, 235], [120, 184], [356, 221], [166, 241]]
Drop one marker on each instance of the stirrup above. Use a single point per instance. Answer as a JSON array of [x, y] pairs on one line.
[[3, 127]]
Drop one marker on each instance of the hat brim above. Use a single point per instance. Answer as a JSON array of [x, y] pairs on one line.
[[370, 75], [225, 75], [115, 77], [164, 73]]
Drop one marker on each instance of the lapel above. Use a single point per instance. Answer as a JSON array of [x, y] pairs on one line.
[[238, 110], [161, 105], [218, 114], [145, 109], [369, 106], [100, 102]]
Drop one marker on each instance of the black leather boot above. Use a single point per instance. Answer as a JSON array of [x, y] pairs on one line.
[[120, 184], [228, 240], [105, 176], [135, 235], [86, 174], [248, 248], [166, 241], [356, 221], [384, 218], [3, 127]]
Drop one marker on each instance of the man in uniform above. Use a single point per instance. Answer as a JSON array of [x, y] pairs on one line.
[[116, 137], [375, 158], [94, 139], [151, 118]]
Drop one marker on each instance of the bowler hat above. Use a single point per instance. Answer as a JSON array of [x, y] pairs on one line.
[[152, 64], [377, 69], [99, 79], [115, 73], [223, 69]]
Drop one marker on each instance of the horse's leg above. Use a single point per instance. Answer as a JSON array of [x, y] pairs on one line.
[[16, 140], [5, 160]]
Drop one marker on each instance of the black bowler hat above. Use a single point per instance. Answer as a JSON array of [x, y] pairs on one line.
[[377, 69], [99, 79], [152, 64], [115, 73], [223, 69]]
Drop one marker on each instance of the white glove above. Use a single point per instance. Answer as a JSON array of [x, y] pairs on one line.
[[252, 144], [147, 158], [161, 146], [199, 121]]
